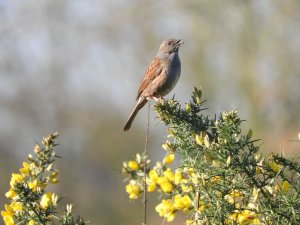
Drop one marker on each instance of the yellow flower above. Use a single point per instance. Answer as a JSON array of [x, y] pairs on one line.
[[189, 170], [232, 218], [47, 200], [161, 180], [166, 187], [152, 181], [195, 178], [165, 184], [233, 197], [8, 215], [182, 202], [133, 189], [184, 186], [151, 187], [169, 158], [243, 217], [31, 222], [133, 165], [215, 179], [16, 178], [166, 209], [16, 206], [33, 185], [26, 168], [153, 175], [169, 174], [246, 216], [11, 193], [177, 177]]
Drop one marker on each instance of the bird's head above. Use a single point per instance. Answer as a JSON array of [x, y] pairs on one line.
[[170, 45]]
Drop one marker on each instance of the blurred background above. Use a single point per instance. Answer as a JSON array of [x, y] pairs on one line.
[[74, 66]]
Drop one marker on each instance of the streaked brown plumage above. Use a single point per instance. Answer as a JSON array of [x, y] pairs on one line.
[[160, 77]]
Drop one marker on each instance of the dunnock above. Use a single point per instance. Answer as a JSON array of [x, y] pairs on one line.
[[160, 77]]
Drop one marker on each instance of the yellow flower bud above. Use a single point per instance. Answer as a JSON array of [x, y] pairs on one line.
[[228, 161], [206, 141], [53, 178], [167, 146], [37, 149], [171, 133], [188, 107], [133, 165], [274, 166], [255, 193], [169, 158], [285, 186], [198, 100], [199, 140], [269, 189]]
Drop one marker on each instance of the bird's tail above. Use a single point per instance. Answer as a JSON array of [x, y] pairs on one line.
[[141, 102]]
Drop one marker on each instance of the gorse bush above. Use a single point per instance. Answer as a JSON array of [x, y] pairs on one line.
[[222, 178], [30, 203]]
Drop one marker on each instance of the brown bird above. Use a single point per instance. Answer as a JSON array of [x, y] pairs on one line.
[[160, 77]]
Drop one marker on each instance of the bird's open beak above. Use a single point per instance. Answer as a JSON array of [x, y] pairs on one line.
[[179, 42]]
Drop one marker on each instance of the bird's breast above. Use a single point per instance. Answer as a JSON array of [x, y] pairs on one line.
[[172, 74]]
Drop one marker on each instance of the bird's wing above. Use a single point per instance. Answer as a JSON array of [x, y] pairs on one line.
[[153, 71]]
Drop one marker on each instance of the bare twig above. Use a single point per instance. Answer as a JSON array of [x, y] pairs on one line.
[[145, 162]]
